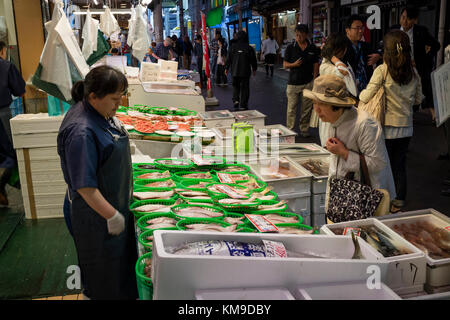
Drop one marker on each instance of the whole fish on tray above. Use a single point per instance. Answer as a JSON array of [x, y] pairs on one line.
[[213, 227], [237, 201], [174, 162], [242, 191], [266, 207], [153, 195], [154, 175], [262, 195], [161, 184], [161, 225], [198, 212], [162, 220], [317, 167], [276, 218], [193, 194], [231, 220], [205, 175], [231, 169], [251, 185], [147, 166], [156, 207]]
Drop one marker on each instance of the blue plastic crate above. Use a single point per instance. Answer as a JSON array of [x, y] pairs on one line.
[[16, 106]]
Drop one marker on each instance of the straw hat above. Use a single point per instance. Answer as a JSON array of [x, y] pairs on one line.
[[330, 89]]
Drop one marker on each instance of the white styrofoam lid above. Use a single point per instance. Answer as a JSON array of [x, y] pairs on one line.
[[244, 294], [248, 114], [216, 115]]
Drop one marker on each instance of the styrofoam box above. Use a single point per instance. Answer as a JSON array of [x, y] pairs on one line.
[[287, 136], [245, 294], [406, 273], [299, 184], [39, 153], [344, 291], [299, 203], [318, 183], [33, 123], [171, 76], [318, 219], [212, 121], [35, 140], [44, 164], [318, 203], [44, 199], [254, 117], [41, 175], [438, 271], [46, 211], [149, 71], [287, 149], [179, 276], [168, 66], [45, 187]]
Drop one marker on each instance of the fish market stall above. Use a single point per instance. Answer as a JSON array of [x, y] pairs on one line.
[[407, 264], [428, 231]]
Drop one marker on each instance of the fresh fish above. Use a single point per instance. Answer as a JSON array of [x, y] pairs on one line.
[[153, 195], [242, 191], [161, 184], [382, 243], [154, 175], [200, 185], [161, 220], [210, 227], [272, 206], [236, 201], [231, 220], [153, 208], [357, 254], [188, 193], [201, 212], [150, 238], [276, 218], [160, 226], [206, 175]]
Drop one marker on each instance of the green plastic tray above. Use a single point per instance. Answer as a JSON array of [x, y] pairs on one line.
[[213, 166], [144, 283], [178, 176], [137, 169], [144, 202], [211, 208], [142, 221], [240, 168]]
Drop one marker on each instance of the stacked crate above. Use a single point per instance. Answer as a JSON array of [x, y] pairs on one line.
[[42, 182]]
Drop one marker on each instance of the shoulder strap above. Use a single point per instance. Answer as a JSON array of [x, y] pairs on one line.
[[365, 177]]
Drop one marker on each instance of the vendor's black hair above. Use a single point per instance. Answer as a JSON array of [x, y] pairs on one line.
[[2, 45], [101, 81], [302, 28], [411, 12]]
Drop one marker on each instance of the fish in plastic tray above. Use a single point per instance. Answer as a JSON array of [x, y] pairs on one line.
[[153, 195], [154, 175]]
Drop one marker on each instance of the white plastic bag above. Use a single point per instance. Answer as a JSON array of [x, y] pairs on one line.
[[131, 28], [141, 41], [108, 23], [90, 31]]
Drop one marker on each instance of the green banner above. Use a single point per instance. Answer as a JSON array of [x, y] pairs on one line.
[[214, 17]]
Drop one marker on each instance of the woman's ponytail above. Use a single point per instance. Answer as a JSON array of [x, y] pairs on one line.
[[78, 91]]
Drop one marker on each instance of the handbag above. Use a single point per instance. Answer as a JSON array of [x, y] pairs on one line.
[[352, 200], [377, 105]]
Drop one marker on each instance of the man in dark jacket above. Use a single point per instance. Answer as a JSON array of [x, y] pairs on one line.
[[11, 83], [359, 54], [425, 48], [242, 60]]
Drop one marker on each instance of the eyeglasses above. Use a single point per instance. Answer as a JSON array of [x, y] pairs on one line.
[[359, 28]]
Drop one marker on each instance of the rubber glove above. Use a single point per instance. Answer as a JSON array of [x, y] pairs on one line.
[[116, 224]]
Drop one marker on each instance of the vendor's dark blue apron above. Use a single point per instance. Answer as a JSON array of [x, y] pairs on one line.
[[107, 262]]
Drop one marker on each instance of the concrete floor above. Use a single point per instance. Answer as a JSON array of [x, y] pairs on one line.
[[425, 172]]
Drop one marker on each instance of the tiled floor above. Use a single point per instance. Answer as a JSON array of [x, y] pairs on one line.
[[68, 297]]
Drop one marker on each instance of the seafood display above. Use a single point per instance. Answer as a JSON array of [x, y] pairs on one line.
[[276, 169], [197, 212], [267, 207], [379, 240], [242, 191], [205, 175], [175, 162], [432, 240], [154, 175], [153, 195], [146, 167], [161, 208], [211, 227], [231, 169], [236, 221], [161, 184], [193, 194], [251, 184], [318, 168], [277, 218]]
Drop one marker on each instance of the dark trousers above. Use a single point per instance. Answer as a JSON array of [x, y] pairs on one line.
[[221, 78], [397, 150], [241, 91]]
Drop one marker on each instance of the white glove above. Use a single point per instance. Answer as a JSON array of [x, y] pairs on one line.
[[116, 224]]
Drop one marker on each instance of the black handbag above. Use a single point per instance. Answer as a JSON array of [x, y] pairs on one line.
[[352, 200]]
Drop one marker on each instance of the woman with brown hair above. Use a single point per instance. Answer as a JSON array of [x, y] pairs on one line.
[[403, 90]]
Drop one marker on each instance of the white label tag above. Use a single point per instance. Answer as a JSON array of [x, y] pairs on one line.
[[347, 231], [275, 249], [230, 192], [261, 223], [225, 177]]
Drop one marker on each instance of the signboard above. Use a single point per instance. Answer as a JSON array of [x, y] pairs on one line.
[[440, 80], [205, 52]]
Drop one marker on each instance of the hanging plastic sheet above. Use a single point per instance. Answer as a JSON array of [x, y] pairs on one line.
[[141, 42], [90, 35], [108, 23], [131, 27], [102, 49]]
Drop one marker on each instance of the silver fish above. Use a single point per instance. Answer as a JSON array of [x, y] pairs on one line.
[[210, 227], [161, 220], [154, 175], [231, 220], [153, 208], [153, 195], [160, 226], [191, 211]]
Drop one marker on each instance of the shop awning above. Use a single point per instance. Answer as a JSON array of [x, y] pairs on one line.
[[214, 17]]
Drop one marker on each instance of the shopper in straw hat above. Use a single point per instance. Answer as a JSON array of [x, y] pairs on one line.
[[350, 134]]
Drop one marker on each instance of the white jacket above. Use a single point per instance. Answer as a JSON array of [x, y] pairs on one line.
[[361, 133]]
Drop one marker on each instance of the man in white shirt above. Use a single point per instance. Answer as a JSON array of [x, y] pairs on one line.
[[269, 50]]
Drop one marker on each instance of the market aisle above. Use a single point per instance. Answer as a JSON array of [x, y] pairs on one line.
[[425, 173], [34, 261]]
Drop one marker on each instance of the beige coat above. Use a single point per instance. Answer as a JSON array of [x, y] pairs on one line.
[[361, 133], [399, 99]]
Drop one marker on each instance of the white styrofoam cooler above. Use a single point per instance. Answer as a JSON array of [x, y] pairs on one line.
[[254, 117], [318, 183], [179, 276], [406, 273], [212, 120], [35, 140], [286, 136], [438, 270], [300, 183], [344, 291], [244, 294], [293, 150], [35, 123], [299, 203]]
